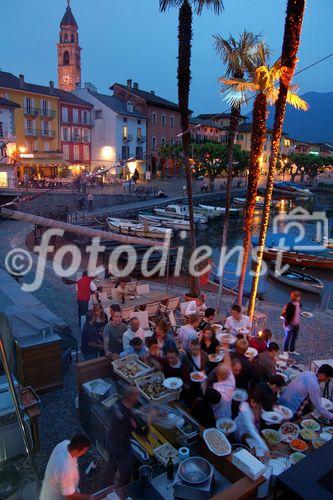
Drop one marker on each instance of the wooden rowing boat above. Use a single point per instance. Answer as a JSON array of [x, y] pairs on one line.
[[296, 279], [145, 230], [177, 224], [299, 259]]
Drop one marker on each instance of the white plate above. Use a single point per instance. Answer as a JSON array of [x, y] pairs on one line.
[[306, 314], [284, 356], [221, 422], [217, 326], [251, 352], [215, 358], [173, 383], [242, 329], [224, 337], [240, 395], [203, 376], [285, 411], [314, 424], [327, 404], [280, 364], [272, 417]]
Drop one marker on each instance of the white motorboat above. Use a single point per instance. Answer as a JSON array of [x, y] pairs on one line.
[[296, 279], [218, 211], [180, 212], [177, 224], [291, 189], [143, 229], [242, 201]]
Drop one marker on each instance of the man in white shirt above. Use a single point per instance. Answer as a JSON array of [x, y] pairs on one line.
[[134, 330], [62, 474], [188, 332], [304, 389], [237, 320], [196, 306]]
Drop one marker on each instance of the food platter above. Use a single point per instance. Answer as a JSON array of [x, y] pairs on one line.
[[272, 417], [173, 383], [306, 314], [289, 431], [130, 367], [217, 442], [298, 445], [215, 358], [307, 434], [239, 395], [198, 376], [162, 453], [285, 411], [251, 352], [310, 424], [152, 388], [296, 457], [319, 417], [272, 437], [226, 425]]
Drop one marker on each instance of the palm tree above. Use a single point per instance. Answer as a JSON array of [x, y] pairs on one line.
[[236, 55], [291, 41], [184, 80], [262, 82]]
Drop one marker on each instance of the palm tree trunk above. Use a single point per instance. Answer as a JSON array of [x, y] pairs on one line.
[[291, 40], [258, 137], [233, 126], [184, 80]]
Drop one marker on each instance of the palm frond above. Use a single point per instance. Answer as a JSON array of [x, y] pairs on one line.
[[239, 85], [166, 4], [235, 98], [262, 78], [296, 101], [216, 5], [272, 95]]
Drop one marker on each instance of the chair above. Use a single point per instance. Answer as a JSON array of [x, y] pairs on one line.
[[128, 313], [173, 304], [173, 322], [183, 306], [152, 309], [142, 289], [142, 317]]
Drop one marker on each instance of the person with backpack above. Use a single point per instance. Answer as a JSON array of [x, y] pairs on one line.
[[291, 321]]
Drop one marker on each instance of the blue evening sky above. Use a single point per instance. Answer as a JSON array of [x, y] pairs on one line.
[[131, 39]]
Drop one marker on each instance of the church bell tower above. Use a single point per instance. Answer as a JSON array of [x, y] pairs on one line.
[[69, 52]]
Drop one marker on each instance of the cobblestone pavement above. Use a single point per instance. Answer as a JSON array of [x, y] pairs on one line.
[[59, 418]]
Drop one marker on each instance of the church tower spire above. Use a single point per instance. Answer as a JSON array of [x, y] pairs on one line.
[[69, 52]]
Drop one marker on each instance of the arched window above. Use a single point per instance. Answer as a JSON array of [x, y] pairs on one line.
[[72, 38], [66, 58], [60, 38], [65, 37]]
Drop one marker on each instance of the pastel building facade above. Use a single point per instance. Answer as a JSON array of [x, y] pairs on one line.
[[7, 143]]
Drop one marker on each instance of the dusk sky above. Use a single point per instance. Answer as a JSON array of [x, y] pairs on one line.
[[131, 39]]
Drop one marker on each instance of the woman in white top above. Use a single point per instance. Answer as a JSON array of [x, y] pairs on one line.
[[248, 421], [225, 385]]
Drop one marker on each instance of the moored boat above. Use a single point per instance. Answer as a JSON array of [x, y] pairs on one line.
[[290, 188], [242, 201], [177, 224], [145, 230], [180, 212], [299, 259], [218, 211], [296, 279]]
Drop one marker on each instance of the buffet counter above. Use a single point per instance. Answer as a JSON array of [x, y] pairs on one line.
[[227, 480]]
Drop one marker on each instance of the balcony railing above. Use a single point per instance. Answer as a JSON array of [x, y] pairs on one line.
[[48, 134], [141, 140], [127, 138], [47, 113], [70, 121], [29, 111], [30, 133]]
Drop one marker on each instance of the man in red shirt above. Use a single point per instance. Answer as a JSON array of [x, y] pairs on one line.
[[84, 288]]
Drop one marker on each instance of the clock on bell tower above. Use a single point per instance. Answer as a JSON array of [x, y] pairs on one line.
[[69, 52]]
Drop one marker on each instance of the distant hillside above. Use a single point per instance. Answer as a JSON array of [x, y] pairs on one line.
[[316, 124]]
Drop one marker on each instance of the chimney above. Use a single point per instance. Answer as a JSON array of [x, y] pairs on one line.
[[90, 86], [135, 85], [129, 84], [152, 92], [51, 87], [21, 77]]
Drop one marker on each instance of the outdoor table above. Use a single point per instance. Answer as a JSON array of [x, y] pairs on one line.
[[143, 300], [311, 477]]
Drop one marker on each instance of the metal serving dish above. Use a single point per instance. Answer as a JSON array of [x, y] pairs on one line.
[[195, 470]]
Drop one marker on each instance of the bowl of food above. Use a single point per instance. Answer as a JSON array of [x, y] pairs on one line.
[[272, 437], [296, 457], [226, 425], [173, 383], [328, 429], [289, 431], [217, 442], [306, 314], [215, 357], [272, 417], [326, 436], [318, 442], [239, 395], [251, 352], [285, 411], [310, 424], [217, 327], [242, 329], [298, 445], [198, 376], [308, 434]]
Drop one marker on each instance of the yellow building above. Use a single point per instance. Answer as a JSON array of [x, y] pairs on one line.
[[37, 126]]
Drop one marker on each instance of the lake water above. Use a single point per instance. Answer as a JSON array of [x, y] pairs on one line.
[[276, 291]]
